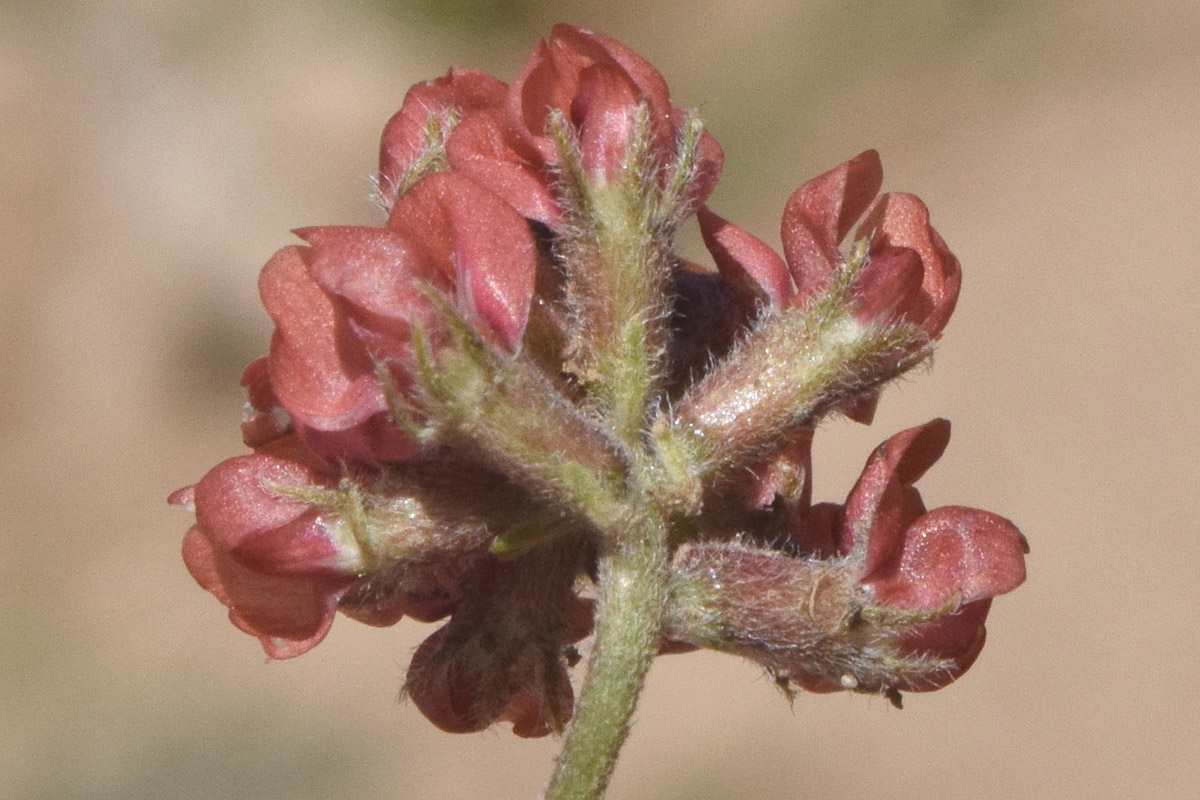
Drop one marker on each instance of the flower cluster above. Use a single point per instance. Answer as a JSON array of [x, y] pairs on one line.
[[512, 401]]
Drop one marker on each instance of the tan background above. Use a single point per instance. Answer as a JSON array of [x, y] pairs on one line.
[[153, 155]]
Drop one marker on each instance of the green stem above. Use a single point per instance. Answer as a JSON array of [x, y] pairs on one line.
[[633, 582]]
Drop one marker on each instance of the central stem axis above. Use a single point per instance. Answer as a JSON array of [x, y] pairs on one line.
[[633, 583]]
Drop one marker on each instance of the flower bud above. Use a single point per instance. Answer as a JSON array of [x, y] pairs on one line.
[[595, 82], [320, 373], [597, 85], [277, 562]]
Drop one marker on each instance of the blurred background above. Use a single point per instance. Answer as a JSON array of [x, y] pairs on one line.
[[154, 155]]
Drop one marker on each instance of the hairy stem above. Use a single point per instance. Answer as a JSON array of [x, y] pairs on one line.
[[617, 263], [793, 367], [505, 409], [633, 585]]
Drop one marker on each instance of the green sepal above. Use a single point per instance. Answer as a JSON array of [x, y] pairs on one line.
[[521, 537]]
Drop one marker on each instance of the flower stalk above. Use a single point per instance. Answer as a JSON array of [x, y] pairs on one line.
[[632, 588]]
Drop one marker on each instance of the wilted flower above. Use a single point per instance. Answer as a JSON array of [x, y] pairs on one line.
[[504, 653]]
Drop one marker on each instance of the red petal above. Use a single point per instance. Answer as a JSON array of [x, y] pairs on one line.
[[441, 691], [862, 408], [201, 561], [776, 476], [547, 81], [649, 81], [319, 371], [265, 421], [599, 47], [484, 241], [263, 418], [889, 288], [459, 93], [301, 547], [755, 272], [483, 149], [424, 593], [820, 214], [815, 683], [952, 552], [603, 109], [373, 442], [289, 615], [383, 612], [883, 502], [534, 713], [957, 637], [376, 273], [378, 613], [234, 503], [816, 531], [241, 509], [256, 382], [550, 79], [902, 221]]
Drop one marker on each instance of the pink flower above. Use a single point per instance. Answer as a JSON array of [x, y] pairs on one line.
[[348, 304], [320, 379], [944, 565], [516, 387], [285, 542], [278, 563], [878, 595], [597, 84], [910, 273]]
